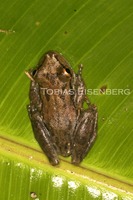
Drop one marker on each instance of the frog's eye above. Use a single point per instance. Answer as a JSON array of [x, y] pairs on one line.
[[63, 73], [67, 70]]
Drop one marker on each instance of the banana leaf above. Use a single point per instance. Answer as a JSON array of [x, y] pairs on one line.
[[99, 35]]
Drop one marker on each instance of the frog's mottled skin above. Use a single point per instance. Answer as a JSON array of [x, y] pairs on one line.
[[60, 124]]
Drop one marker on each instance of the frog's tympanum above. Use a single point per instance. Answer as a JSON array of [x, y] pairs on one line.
[[60, 123]]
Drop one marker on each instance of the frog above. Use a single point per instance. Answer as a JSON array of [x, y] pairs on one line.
[[60, 123]]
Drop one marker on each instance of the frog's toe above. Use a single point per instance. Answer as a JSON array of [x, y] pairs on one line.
[[77, 154], [76, 161], [54, 161]]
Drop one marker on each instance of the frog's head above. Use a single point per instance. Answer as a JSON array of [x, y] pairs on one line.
[[52, 68]]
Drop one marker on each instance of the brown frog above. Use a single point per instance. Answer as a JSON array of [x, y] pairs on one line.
[[60, 124]]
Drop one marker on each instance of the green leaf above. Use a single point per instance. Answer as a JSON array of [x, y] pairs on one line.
[[99, 35]]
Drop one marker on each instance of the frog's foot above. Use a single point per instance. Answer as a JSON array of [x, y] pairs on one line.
[[85, 134]]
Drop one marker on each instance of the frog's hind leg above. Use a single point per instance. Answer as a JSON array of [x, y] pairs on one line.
[[84, 134], [40, 130], [42, 135]]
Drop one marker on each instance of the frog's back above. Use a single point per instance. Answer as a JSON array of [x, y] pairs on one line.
[[60, 119]]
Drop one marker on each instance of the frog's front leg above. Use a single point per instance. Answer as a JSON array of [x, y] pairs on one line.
[[84, 134], [41, 133], [80, 91]]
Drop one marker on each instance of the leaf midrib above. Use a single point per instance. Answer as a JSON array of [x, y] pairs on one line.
[[15, 149]]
